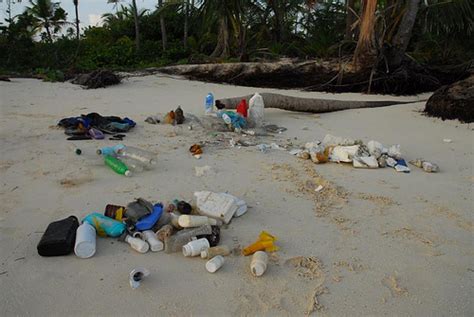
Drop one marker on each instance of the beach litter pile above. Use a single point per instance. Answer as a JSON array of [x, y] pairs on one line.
[[94, 126], [194, 230], [371, 155]]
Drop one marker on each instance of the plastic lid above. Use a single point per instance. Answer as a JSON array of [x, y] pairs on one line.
[[128, 173]]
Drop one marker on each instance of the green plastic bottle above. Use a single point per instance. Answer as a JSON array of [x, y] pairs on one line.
[[118, 166]]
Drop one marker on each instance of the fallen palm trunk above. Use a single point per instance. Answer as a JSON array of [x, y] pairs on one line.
[[307, 104]]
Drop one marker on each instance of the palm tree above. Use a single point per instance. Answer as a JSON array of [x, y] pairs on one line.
[[135, 20], [47, 15], [76, 4], [164, 38]]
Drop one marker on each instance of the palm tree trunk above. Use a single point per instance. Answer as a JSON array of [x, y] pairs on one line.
[[76, 3], [364, 54], [48, 32], [300, 104], [350, 19], [222, 47], [137, 27], [403, 36], [186, 13], [164, 38]]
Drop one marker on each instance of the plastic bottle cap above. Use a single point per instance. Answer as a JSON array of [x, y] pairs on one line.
[[99, 152], [204, 253], [128, 173]]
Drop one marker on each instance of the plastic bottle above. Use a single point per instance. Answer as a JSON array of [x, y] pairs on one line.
[[133, 165], [176, 242], [265, 242], [137, 275], [114, 212], [214, 251], [215, 263], [137, 244], [209, 104], [256, 111], [110, 150], [175, 220], [258, 265], [145, 157], [117, 166], [75, 149], [147, 222], [187, 221], [85, 241], [164, 232], [109, 226], [155, 244], [194, 248]]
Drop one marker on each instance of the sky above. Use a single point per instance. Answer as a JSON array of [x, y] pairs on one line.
[[90, 11]]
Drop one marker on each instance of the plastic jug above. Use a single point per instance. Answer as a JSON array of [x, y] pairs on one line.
[[256, 111], [215, 263], [216, 205], [209, 103], [85, 241], [258, 265], [195, 247], [137, 244], [105, 225]]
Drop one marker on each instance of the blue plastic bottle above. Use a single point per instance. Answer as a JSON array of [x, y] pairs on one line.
[[101, 223], [110, 150], [149, 221], [209, 102]]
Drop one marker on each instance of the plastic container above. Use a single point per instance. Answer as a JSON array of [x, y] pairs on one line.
[[175, 220], [137, 244], [256, 111], [114, 212], [106, 225], [85, 241], [188, 221], [214, 237], [117, 166], [214, 251], [110, 150], [155, 244], [195, 247], [148, 159], [59, 237], [164, 232], [209, 103], [137, 275], [149, 221], [176, 242], [215, 263], [265, 242], [259, 262], [216, 205]]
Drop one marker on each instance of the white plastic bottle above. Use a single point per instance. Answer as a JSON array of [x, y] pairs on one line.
[[256, 111], [188, 221], [258, 265], [155, 244], [195, 247], [215, 263], [137, 244], [85, 241]]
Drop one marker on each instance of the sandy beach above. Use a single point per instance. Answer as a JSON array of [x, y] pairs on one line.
[[372, 242]]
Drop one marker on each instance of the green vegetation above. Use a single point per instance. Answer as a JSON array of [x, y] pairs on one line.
[[44, 39]]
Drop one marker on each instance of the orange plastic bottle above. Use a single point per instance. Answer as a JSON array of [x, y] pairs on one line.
[[265, 241]]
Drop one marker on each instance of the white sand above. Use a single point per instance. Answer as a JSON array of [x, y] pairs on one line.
[[383, 243]]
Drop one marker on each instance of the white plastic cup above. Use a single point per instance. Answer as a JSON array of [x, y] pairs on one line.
[[258, 265], [195, 247], [188, 221], [215, 263], [85, 241], [155, 244]]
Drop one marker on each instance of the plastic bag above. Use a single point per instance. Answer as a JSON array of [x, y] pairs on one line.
[[256, 111]]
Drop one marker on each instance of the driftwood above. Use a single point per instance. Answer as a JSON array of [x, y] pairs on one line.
[[307, 104], [4, 78], [454, 101]]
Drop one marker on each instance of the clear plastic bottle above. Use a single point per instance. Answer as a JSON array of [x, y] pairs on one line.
[[117, 166], [110, 150], [145, 157], [214, 251], [209, 104], [176, 242], [133, 165]]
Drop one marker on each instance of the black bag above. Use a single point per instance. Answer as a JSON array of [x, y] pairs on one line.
[[59, 238]]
